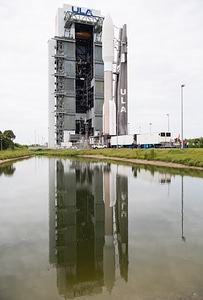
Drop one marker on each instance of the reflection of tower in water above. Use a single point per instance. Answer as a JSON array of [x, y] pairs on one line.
[[77, 242], [88, 225]]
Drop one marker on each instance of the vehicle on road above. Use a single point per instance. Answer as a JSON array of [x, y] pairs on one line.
[[99, 146]]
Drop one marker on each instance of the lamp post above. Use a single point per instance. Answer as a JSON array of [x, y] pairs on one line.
[[182, 86], [168, 121]]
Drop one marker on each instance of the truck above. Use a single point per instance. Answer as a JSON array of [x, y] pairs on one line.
[[154, 140], [123, 141], [146, 140]]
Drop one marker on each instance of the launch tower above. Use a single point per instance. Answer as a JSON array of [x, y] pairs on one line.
[[87, 84], [76, 76]]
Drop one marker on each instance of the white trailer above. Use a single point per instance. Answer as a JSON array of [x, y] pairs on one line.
[[123, 141], [154, 139], [146, 140]]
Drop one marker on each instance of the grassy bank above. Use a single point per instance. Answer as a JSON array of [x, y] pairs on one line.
[[15, 154], [188, 157]]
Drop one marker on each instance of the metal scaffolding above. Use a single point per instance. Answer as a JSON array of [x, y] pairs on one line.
[[74, 73]]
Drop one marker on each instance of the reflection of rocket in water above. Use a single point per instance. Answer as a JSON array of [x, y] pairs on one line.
[[109, 249], [78, 196], [116, 214], [122, 223]]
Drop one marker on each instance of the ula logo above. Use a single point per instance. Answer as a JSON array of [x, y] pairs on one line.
[[80, 11], [123, 100]]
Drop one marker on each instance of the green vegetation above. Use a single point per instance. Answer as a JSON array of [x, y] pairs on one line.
[[187, 156], [16, 153], [195, 143], [192, 156], [6, 140]]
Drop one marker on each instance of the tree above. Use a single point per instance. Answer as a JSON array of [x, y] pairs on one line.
[[9, 134], [1, 141], [6, 139]]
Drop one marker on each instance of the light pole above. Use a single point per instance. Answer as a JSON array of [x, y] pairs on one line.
[[168, 121], [182, 86]]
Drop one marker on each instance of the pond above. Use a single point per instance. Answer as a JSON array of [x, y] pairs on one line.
[[94, 230]]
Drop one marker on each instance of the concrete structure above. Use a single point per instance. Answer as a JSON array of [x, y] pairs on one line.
[[87, 86], [76, 76]]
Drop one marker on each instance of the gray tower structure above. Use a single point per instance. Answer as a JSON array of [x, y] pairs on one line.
[[121, 83], [76, 76]]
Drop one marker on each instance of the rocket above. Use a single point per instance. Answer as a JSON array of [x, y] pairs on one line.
[[109, 108], [121, 84], [109, 128]]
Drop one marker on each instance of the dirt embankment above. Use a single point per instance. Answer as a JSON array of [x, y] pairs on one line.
[[3, 161], [146, 162], [131, 160]]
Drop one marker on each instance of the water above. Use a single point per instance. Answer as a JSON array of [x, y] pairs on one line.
[[85, 230]]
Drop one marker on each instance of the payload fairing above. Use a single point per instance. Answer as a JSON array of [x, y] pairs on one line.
[[109, 108]]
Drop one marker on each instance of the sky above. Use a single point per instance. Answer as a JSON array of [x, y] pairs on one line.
[[165, 51]]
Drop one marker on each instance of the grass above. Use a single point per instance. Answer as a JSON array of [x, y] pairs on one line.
[[188, 157], [15, 154]]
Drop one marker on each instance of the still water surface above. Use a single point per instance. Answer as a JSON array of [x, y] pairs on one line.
[[72, 229]]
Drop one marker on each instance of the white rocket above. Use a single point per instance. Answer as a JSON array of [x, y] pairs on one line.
[[109, 108], [109, 128]]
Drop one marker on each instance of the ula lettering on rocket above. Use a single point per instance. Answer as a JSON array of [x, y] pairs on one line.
[[123, 101]]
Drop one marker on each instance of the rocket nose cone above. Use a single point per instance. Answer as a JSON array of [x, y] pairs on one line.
[[107, 39], [107, 22]]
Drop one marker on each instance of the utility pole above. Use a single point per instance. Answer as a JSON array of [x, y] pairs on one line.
[[182, 86]]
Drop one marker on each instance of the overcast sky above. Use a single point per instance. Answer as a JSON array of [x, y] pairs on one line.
[[165, 50]]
